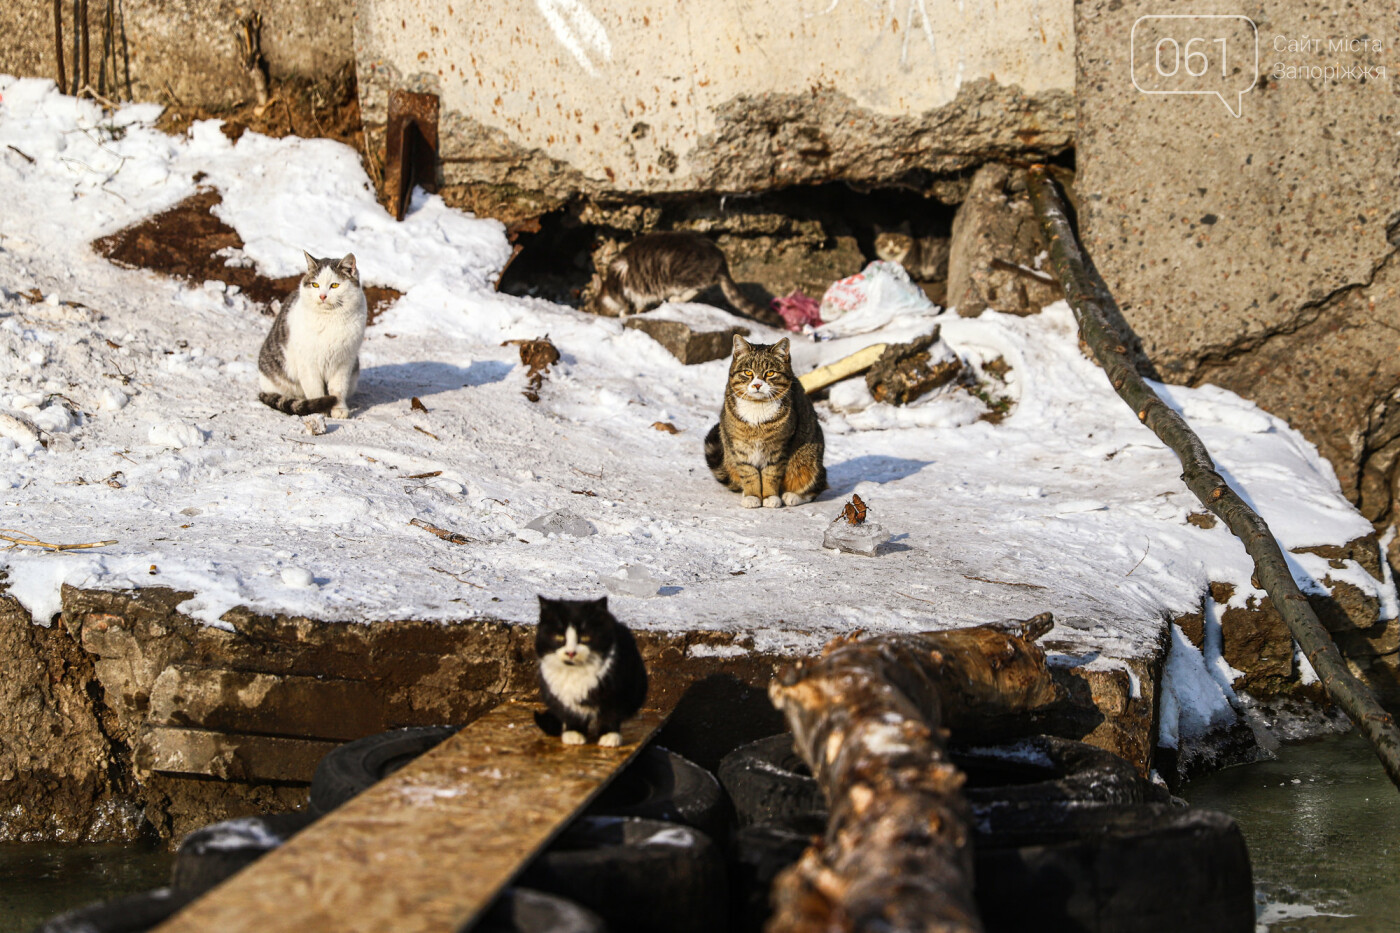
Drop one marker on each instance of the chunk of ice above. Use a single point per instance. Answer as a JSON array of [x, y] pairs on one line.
[[864, 539], [632, 581], [562, 522]]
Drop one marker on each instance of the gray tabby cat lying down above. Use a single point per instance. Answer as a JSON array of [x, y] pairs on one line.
[[661, 267], [310, 361]]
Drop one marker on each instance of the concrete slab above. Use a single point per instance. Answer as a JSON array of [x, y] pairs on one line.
[[563, 96], [429, 847]]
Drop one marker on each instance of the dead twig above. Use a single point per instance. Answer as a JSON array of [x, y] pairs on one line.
[[1141, 559], [58, 43], [23, 155], [1029, 586], [451, 537], [457, 577], [21, 539], [429, 433]]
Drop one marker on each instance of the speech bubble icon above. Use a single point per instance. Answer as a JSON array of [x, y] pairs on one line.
[[1180, 53]]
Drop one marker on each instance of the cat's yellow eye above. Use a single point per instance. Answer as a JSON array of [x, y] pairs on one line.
[[335, 285], [749, 373], [769, 375], [315, 285]]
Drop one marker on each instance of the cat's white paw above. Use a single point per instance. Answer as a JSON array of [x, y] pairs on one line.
[[570, 737], [610, 739], [751, 502], [773, 502], [340, 411], [795, 498]]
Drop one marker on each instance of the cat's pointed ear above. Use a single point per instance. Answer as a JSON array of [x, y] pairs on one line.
[[546, 605], [782, 349], [311, 263], [347, 267], [602, 603], [741, 345]]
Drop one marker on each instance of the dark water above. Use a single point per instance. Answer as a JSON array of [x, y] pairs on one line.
[[1323, 825], [38, 881]]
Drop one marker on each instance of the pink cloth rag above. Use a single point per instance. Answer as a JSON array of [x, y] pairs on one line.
[[798, 310]]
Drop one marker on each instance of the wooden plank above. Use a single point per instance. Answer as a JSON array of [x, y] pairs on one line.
[[426, 849], [229, 756], [844, 368]]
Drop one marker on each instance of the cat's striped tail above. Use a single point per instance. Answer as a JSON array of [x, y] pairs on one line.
[[745, 306], [297, 406], [714, 455]]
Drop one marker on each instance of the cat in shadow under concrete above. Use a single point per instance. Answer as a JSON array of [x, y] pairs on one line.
[[660, 267]]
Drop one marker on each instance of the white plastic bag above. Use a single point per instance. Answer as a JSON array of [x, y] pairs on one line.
[[871, 299]]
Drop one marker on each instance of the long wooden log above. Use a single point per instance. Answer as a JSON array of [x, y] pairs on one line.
[[1109, 337], [871, 718]]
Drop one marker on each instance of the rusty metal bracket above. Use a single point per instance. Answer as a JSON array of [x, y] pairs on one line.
[[411, 148]]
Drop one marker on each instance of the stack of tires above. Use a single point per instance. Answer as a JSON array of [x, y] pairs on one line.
[[1067, 837]]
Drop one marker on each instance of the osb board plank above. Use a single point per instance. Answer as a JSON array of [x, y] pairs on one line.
[[428, 847]]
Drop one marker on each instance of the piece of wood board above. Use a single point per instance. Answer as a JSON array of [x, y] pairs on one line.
[[430, 846]]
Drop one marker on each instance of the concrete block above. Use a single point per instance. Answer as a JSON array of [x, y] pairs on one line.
[[228, 757], [272, 704], [693, 333]]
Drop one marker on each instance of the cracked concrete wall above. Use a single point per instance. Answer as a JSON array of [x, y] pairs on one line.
[[186, 50], [1254, 252], [643, 96]]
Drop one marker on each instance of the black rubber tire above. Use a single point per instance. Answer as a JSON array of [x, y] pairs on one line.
[[661, 785], [767, 781], [523, 910], [134, 913], [758, 852], [1046, 768], [1137, 868], [214, 853], [646, 876], [355, 766]]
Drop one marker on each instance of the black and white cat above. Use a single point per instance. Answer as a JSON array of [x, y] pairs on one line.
[[592, 676]]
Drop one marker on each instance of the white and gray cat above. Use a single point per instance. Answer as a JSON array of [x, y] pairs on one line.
[[310, 361]]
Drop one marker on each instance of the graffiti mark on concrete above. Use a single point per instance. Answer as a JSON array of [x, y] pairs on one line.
[[578, 30]]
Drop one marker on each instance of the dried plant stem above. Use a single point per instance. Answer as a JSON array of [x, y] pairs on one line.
[[21, 539], [58, 44]]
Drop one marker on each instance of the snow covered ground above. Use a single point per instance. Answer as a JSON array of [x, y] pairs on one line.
[[145, 390]]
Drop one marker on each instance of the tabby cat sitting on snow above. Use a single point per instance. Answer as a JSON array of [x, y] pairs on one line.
[[661, 267], [768, 443], [310, 361]]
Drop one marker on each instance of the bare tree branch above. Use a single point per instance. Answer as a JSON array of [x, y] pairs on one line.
[[1109, 336]]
